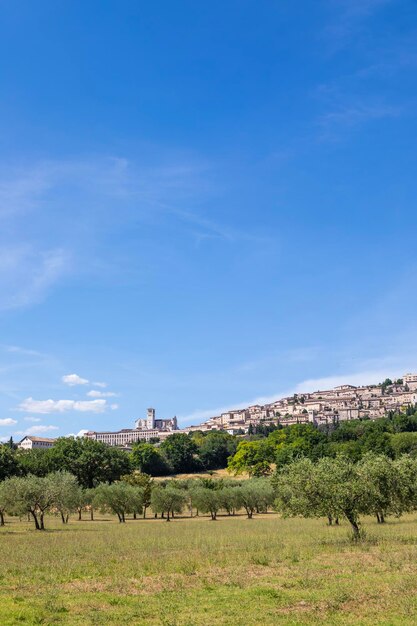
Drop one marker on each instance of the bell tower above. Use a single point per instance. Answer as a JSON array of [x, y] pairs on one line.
[[150, 419]]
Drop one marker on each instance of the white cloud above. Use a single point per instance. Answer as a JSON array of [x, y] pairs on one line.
[[37, 430], [62, 406], [73, 379], [102, 385], [7, 421], [101, 394], [114, 407], [32, 419]]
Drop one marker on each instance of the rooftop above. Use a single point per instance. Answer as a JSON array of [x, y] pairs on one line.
[[45, 439]]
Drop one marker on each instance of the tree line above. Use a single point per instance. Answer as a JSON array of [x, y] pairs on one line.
[[59, 493], [94, 462], [332, 488]]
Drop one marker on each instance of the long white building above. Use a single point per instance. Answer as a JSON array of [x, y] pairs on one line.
[[145, 430], [29, 442]]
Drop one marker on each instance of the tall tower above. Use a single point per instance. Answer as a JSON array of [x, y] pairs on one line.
[[150, 419]]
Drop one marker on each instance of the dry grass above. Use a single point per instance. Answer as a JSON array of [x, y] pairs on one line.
[[196, 572], [221, 473]]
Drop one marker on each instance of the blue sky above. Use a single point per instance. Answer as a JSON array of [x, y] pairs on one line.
[[202, 204]]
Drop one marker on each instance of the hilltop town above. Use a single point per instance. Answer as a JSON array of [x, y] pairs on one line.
[[345, 402]]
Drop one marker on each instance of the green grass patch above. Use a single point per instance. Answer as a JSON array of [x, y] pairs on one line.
[[192, 572]]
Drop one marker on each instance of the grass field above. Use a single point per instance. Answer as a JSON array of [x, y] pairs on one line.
[[233, 571]]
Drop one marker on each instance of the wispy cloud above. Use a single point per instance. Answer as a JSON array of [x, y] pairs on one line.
[[22, 189], [347, 19], [26, 274], [92, 197], [95, 197], [357, 9], [32, 419], [348, 116]]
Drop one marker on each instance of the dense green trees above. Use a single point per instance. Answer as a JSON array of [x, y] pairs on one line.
[[92, 462], [9, 463], [148, 459], [404, 443], [181, 453], [38, 462], [215, 449], [253, 457]]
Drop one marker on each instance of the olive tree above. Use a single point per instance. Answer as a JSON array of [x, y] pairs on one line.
[[31, 494], [66, 493], [145, 482], [168, 500], [206, 500], [379, 479], [255, 495], [119, 498], [229, 499], [405, 497], [331, 487]]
